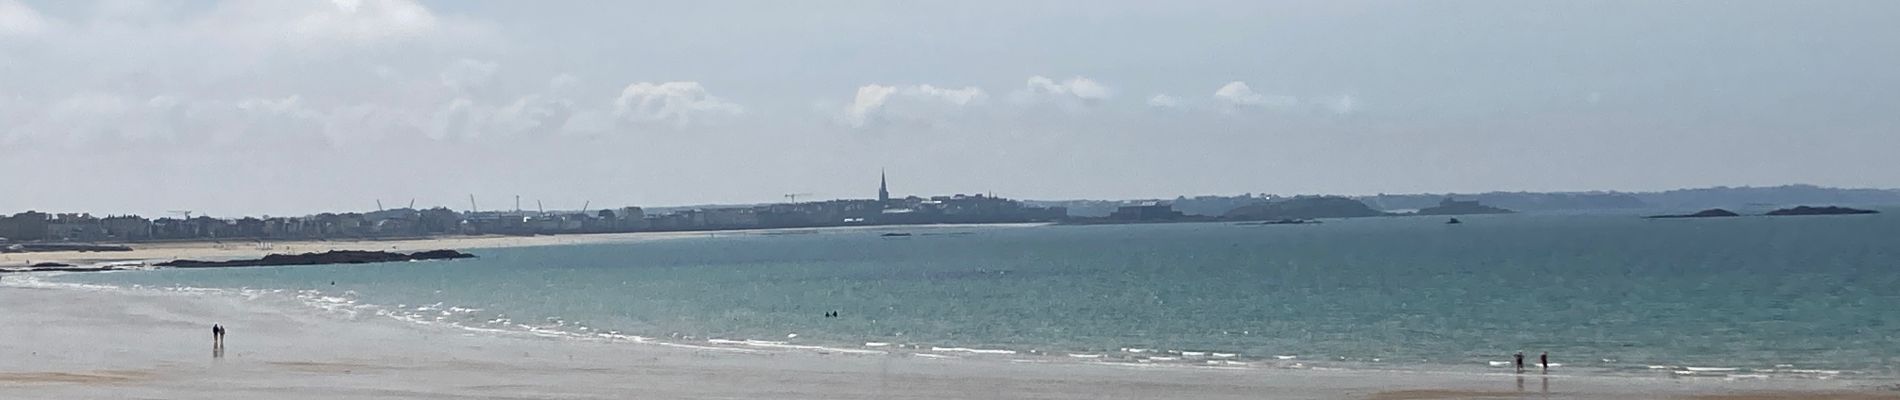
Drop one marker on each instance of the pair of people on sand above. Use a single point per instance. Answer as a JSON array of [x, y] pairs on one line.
[[1542, 359]]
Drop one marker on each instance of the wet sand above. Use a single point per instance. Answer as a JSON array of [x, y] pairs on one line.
[[72, 343]]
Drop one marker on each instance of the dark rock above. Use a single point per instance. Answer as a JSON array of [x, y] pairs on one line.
[[439, 255], [1709, 213], [1828, 210], [328, 257], [50, 265], [1288, 221]]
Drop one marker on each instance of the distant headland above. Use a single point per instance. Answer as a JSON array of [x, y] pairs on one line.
[[1709, 213], [33, 231], [1798, 210], [1828, 210]]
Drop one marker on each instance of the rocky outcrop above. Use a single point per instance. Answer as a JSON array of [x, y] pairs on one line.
[[328, 257], [1828, 210], [1709, 213]]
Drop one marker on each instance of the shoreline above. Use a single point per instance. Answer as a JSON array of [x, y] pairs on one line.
[[277, 345], [213, 250]]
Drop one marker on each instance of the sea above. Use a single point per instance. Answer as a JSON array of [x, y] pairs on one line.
[[1814, 297]]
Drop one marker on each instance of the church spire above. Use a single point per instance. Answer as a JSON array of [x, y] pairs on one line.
[[883, 188]]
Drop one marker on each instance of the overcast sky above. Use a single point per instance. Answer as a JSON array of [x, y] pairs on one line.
[[290, 107]]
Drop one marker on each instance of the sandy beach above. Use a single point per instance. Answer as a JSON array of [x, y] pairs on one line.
[[151, 252], [77, 342], [251, 248]]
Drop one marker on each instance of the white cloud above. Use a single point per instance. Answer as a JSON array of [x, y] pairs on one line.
[[18, 19], [913, 104], [1077, 87], [675, 103], [1075, 95], [1164, 101], [533, 114], [1238, 94], [104, 118]]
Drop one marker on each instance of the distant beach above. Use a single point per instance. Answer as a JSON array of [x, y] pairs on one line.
[[152, 252]]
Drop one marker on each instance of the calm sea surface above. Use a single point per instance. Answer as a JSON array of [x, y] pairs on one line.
[[1790, 296]]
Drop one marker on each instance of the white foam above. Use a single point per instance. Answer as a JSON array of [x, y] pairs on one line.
[[789, 346], [972, 351], [1225, 355], [1194, 353], [1085, 355], [1711, 369], [1500, 363], [1286, 357], [928, 355], [876, 344], [1159, 358]]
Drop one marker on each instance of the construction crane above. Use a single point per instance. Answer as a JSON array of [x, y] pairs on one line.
[[585, 205], [793, 197]]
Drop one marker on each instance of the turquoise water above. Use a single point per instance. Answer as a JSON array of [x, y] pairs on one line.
[[1798, 296]]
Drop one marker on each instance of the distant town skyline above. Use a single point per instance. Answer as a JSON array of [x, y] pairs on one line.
[[292, 107]]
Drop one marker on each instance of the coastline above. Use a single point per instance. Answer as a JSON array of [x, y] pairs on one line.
[[76, 341], [211, 250]]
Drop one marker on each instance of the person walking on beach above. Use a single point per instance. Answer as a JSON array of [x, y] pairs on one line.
[[1520, 361], [217, 334], [1544, 359]]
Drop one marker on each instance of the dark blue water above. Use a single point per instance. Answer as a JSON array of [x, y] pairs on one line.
[[1616, 294]]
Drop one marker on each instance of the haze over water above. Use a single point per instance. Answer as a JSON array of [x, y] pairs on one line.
[[1793, 296]]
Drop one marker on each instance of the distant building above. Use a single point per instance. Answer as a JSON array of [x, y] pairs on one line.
[[1154, 211], [883, 189], [30, 225]]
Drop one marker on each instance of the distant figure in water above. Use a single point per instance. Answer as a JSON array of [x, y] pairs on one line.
[[1454, 221], [1544, 359], [1520, 361]]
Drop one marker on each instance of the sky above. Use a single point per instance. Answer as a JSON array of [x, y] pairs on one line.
[[292, 107]]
